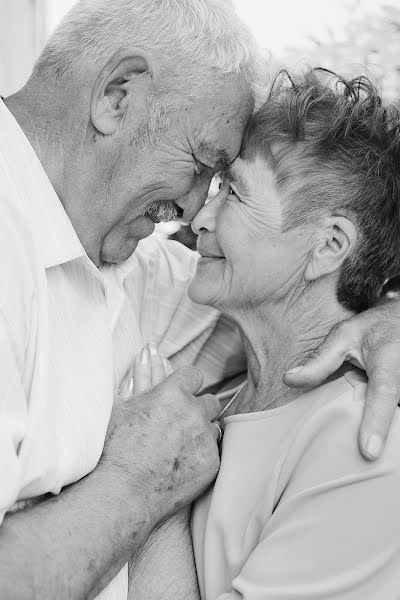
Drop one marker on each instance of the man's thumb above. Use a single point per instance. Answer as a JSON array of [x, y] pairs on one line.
[[188, 378], [327, 358]]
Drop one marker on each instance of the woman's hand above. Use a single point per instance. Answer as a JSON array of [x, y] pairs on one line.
[[150, 368], [370, 340]]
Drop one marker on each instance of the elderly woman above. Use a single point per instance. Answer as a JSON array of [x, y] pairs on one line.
[[303, 233]]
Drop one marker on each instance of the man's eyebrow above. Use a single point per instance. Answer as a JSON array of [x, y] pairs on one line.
[[219, 155]]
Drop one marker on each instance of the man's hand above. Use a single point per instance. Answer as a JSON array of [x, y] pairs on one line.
[[164, 566], [371, 341], [163, 439]]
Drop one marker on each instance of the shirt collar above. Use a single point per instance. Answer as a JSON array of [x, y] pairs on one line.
[[54, 234]]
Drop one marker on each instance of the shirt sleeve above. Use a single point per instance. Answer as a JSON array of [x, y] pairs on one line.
[[17, 301], [335, 530], [186, 332]]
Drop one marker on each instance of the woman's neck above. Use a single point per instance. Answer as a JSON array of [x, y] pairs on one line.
[[278, 336]]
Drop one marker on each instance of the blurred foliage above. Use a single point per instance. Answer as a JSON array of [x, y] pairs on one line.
[[368, 45]]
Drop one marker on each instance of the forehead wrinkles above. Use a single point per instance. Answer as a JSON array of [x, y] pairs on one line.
[[260, 193]]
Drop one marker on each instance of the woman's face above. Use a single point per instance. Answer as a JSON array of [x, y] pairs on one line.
[[245, 258]]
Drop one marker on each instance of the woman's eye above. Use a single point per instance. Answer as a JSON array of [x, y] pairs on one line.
[[231, 192]]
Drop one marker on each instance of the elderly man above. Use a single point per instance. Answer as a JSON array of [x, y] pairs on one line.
[[130, 110]]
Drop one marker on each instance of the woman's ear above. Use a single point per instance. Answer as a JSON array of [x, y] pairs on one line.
[[335, 243], [127, 74]]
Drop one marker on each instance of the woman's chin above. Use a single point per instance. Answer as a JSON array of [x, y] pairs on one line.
[[206, 283]]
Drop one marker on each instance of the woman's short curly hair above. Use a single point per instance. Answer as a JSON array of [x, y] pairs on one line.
[[336, 150]]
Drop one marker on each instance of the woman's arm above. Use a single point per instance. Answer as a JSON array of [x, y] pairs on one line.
[[164, 567]]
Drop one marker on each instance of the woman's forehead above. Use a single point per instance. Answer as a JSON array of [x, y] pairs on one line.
[[248, 173]]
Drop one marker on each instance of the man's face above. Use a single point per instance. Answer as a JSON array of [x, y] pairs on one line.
[[179, 169]]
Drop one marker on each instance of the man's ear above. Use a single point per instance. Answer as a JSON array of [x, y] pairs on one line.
[[336, 242], [126, 75]]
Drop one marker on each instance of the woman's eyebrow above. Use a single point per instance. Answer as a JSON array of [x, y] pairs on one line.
[[235, 177]]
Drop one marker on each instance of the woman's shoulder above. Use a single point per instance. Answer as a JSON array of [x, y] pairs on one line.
[[324, 448]]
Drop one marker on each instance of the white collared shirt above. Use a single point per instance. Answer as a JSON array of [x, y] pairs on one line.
[[69, 333]]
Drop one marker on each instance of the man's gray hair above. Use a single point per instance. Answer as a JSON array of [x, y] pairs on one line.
[[196, 39]]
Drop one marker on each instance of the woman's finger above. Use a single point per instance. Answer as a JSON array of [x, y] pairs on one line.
[[157, 365], [167, 366], [142, 372]]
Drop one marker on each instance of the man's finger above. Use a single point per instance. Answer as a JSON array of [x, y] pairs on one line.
[[383, 395], [188, 378], [211, 405], [327, 358]]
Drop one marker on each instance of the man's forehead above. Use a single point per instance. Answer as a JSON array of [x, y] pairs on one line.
[[221, 119], [216, 153]]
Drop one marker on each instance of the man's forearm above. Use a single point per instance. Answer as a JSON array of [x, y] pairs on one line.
[[72, 545], [164, 567]]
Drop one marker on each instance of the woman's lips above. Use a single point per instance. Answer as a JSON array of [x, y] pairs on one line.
[[205, 257], [209, 253]]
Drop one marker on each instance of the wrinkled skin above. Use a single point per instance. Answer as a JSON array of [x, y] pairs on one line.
[[370, 340], [199, 141], [187, 453]]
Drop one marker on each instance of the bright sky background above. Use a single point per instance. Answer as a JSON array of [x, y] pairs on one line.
[[278, 24]]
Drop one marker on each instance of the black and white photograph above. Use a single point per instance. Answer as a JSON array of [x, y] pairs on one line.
[[200, 299]]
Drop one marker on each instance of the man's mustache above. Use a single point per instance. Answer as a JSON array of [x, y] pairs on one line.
[[162, 211]]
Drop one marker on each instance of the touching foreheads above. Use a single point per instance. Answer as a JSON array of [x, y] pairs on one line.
[[335, 149]]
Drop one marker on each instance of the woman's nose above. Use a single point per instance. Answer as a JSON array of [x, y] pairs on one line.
[[206, 218]]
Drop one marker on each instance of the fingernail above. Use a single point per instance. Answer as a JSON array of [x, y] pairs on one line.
[[293, 371], [374, 445], [153, 349], [165, 361], [144, 356]]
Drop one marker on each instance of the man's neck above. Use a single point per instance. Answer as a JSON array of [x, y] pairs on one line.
[[43, 131], [58, 139], [278, 336]]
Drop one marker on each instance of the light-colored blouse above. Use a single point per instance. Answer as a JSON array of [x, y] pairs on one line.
[[296, 512]]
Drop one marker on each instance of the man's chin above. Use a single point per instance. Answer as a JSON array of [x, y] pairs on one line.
[[121, 242], [114, 256]]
